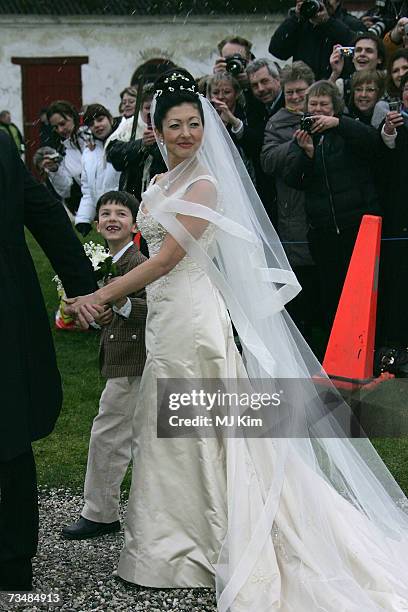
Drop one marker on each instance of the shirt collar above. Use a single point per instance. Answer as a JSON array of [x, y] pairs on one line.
[[122, 251]]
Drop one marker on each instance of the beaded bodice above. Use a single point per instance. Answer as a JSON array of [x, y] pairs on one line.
[[154, 234]]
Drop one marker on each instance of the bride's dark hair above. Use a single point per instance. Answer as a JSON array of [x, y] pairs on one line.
[[173, 88]]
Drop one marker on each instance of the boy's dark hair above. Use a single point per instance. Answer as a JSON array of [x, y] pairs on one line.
[[93, 111], [118, 197]]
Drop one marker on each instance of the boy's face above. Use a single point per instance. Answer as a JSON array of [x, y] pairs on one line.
[[115, 223]]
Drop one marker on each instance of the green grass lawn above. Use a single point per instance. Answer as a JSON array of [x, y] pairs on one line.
[[61, 458]]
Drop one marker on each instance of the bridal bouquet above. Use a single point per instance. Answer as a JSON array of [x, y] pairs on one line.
[[103, 267]]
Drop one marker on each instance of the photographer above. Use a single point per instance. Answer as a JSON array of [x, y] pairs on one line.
[[235, 55], [332, 161], [292, 224], [238, 49], [64, 172], [311, 30], [368, 53]]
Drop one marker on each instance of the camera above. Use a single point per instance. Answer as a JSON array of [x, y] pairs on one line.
[[347, 51], [55, 157], [395, 105], [306, 123], [309, 9], [235, 64]]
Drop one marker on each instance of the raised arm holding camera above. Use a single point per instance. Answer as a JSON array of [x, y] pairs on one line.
[[367, 53], [310, 31]]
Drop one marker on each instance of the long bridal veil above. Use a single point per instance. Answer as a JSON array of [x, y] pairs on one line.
[[315, 519]]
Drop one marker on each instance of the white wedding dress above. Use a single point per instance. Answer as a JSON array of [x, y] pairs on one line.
[[322, 553]]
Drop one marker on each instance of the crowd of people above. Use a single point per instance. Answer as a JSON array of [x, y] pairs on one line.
[[312, 147], [315, 182]]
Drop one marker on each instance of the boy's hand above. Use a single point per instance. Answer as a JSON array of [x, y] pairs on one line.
[[105, 317]]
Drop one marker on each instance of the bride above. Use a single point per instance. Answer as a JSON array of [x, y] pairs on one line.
[[302, 519]]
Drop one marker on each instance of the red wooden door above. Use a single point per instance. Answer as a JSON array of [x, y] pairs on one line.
[[45, 80]]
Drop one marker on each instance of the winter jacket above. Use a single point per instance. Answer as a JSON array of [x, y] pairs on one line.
[[339, 180], [312, 44], [97, 177], [292, 220], [70, 168]]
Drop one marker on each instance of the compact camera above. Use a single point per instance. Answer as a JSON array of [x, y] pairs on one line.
[[235, 64], [347, 51], [55, 157], [306, 123], [310, 8], [395, 105]]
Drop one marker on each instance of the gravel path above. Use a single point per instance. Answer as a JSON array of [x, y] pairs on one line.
[[81, 572]]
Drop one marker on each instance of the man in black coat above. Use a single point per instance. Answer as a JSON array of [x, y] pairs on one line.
[[312, 40], [31, 394]]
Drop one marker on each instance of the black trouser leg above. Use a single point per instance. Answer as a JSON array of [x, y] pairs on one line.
[[332, 253], [18, 522]]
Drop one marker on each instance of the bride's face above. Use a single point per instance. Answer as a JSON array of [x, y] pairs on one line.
[[182, 132]]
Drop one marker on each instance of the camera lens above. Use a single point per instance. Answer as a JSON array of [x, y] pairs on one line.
[[235, 64], [309, 9]]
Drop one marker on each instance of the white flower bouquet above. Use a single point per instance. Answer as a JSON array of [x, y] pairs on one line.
[[103, 267]]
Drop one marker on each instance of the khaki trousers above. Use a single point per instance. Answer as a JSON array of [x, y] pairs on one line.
[[110, 449]]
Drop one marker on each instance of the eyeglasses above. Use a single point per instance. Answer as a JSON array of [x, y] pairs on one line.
[[297, 92], [370, 90]]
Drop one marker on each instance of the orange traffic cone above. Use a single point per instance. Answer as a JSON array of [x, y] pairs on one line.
[[350, 352]]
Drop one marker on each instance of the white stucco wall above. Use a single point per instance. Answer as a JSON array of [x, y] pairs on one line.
[[117, 45]]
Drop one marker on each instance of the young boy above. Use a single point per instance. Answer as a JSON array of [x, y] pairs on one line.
[[122, 358]]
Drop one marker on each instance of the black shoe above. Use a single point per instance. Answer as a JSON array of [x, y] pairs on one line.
[[84, 529]]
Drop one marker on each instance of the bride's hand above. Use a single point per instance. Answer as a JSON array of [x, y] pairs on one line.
[[84, 308]]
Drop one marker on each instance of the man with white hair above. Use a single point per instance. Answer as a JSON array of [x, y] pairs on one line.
[[264, 81]]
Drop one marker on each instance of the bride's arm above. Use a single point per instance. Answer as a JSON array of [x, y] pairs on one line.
[[170, 254]]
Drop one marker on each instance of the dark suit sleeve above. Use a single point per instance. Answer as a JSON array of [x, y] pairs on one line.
[[48, 222]]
